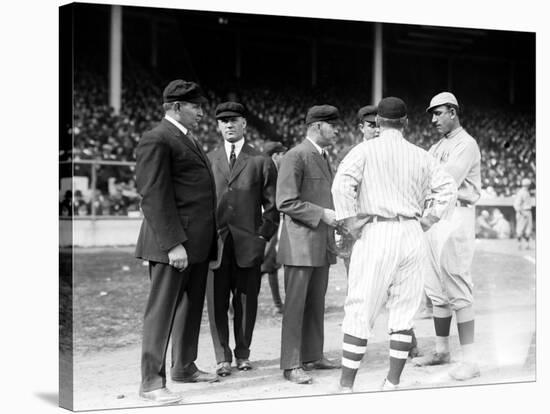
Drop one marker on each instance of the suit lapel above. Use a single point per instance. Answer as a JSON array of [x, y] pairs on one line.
[[221, 164], [321, 162], [240, 163]]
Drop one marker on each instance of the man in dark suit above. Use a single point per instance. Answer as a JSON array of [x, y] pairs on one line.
[[177, 237], [306, 244], [245, 182]]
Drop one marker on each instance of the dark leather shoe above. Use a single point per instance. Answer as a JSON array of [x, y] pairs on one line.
[[160, 396], [322, 363], [198, 376], [244, 364], [297, 375], [223, 369]]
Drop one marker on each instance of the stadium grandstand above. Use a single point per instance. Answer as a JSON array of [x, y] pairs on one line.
[[123, 57]]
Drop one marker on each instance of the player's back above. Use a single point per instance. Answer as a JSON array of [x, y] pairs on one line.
[[396, 175]]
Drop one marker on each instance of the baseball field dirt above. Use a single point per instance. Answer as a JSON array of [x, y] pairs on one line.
[[109, 298]]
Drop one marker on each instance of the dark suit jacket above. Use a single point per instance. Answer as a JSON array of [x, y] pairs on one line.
[[175, 180], [303, 191], [241, 194]]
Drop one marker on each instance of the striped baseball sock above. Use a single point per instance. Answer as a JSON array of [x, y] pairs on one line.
[[353, 350], [442, 324], [400, 344]]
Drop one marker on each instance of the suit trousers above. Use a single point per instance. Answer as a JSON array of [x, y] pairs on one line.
[[174, 307], [243, 283], [303, 315]]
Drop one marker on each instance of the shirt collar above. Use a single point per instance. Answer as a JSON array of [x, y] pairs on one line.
[[176, 124], [391, 133], [454, 132], [317, 147], [238, 147]]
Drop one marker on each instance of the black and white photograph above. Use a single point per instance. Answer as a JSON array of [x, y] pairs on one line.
[[294, 208]]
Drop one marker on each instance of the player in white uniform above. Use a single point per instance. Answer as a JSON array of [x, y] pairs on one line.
[[448, 281], [379, 192], [524, 216]]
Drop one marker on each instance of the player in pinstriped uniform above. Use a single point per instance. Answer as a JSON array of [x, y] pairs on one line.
[[380, 191], [448, 281]]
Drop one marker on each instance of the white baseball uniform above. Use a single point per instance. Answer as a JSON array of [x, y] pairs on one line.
[[451, 242], [524, 216], [390, 179]]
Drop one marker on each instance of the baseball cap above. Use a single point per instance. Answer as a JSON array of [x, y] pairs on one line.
[[181, 90], [443, 98], [229, 109], [326, 113], [367, 113], [392, 108]]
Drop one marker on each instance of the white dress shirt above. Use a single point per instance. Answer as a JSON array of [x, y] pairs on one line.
[[238, 147]]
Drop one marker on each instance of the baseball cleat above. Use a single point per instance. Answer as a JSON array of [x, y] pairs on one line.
[[465, 371], [434, 358], [160, 396], [344, 390], [388, 386]]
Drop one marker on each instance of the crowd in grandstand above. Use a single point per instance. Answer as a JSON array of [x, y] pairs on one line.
[[506, 139]]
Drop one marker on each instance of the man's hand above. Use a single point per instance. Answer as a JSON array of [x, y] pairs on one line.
[[177, 257], [354, 226], [329, 217]]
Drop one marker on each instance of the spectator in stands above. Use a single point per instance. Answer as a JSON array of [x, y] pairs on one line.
[[66, 205], [506, 139], [81, 206], [500, 225], [484, 229]]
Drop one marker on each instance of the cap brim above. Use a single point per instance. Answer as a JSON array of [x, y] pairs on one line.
[[228, 114], [369, 118]]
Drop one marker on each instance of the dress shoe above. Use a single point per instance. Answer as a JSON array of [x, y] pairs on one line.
[[434, 358], [198, 376], [244, 364], [322, 363], [223, 369], [388, 386], [297, 375], [160, 396], [465, 371]]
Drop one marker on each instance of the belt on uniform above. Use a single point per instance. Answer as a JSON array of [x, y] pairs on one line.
[[375, 219], [460, 203]]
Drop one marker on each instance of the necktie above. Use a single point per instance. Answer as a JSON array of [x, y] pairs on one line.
[[193, 139], [325, 156], [232, 157]]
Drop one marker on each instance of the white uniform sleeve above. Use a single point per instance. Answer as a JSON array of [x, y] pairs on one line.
[[346, 183], [443, 192]]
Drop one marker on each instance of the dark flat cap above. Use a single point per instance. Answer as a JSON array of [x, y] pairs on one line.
[[180, 90], [324, 113], [229, 109], [367, 113], [272, 147], [392, 108]]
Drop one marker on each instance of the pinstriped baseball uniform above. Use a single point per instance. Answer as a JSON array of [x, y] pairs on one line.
[[388, 177], [451, 242]]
